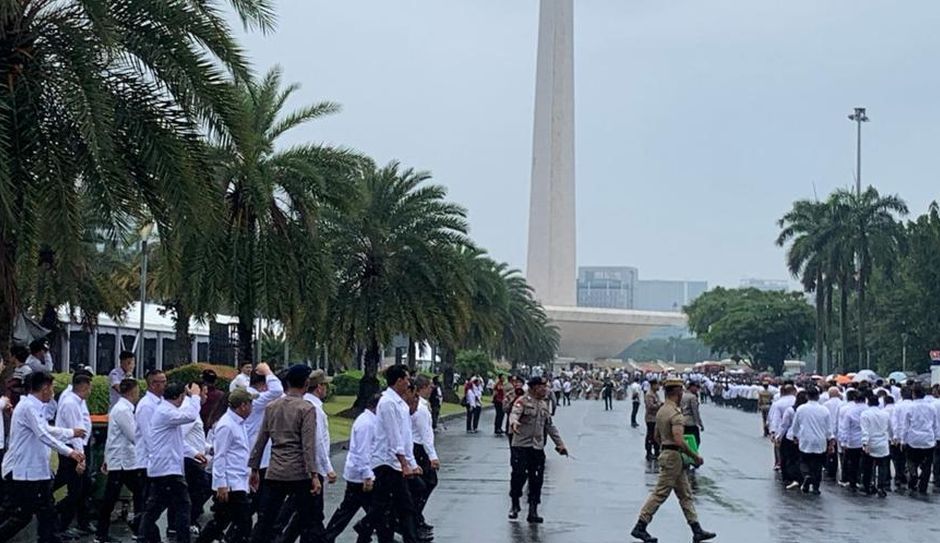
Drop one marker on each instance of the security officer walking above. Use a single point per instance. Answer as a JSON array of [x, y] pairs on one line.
[[672, 475], [530, 422]]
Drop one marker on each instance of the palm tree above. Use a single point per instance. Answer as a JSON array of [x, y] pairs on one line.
[[391, 251], [103, 106], [871, 230], [274, 263]]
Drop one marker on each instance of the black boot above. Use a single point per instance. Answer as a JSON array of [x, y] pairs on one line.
[[698, 534], [514, 510], [534, 514], [639, 532]]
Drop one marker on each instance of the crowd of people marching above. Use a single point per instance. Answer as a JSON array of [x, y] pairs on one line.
[[260, 452]]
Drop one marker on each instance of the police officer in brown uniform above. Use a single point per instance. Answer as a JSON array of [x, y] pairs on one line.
[[530, 422], [514, 391], [672, 473], [652, 407]]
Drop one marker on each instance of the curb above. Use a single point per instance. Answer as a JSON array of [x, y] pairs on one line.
[[340, 446]]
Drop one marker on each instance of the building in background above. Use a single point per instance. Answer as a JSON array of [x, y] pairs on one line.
[[607, 286], [656, 295], [766, 284]]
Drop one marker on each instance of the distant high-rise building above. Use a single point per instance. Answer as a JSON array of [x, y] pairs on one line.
[[766, 284], [607, 286], [667, 295]]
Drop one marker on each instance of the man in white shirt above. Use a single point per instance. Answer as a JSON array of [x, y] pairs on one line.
[[635, 393], [474, 405], [898, 456], [264, 387], [850, 437], [73, 413], [230, 473], [425, 453], [832, 404], [876, 436], [357, 472], [120, 459], [156, 385], [124, 370], [166, 483], [811, 430], [392, 462], [195, 462], [26, 462], [920, 429], [317, 390], [777, 409], [243, 379], [39, 359]]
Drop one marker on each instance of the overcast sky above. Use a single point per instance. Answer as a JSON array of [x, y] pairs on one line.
[[698, 122]]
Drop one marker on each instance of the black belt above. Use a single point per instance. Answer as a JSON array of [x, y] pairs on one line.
[[671, 448]]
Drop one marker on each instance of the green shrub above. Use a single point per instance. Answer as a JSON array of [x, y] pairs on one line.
[[99, 400], [193, 372], [346, 384]]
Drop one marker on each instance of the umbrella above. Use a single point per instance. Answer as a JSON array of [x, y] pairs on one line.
[[843, 379], [865, 375], [897, 376], [816, 377]]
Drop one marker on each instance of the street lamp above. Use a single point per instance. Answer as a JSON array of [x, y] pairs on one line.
[[904, 336], [859, 117], [145, 232]]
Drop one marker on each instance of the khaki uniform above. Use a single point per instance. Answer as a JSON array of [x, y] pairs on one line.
[[764, 399], [652, 407], [672, 473], [527, 455]]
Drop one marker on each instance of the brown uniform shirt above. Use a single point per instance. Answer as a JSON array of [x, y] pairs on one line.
[[535, 420], [668, 417], [652, 405], [291, 424], [764, 399]]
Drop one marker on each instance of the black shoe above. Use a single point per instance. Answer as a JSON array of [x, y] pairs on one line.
[[698, 534], [639, 532], [533, 516], [514, 510], [86, 529], [882, 493]]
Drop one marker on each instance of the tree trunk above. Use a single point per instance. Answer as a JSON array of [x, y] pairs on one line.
[[369, 384], [861, 313], [829, 334], [412, 354], [820, 313], [9, 305], [184, 341], [843, 323], [450, 361], [246, 333]]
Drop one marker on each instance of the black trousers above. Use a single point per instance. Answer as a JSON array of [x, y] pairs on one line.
[[473, 417], [789, 461], [199, 482], [435, 415], [500, 415], [851, 465], [832, 464], [29, 498], [608, 402], [877, 470], [936, 466], [272, 501], [811, 465], [528, 465], [296, 513], [133, 479], [161, 492], [428, 480], [236, 512], [652, 446], [567, 398], [899, 459], [353, 500], [77, 488], [919, 462], [390, 496], [633, 413]]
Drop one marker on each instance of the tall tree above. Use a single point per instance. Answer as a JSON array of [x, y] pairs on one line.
[[103, 106], [275, 264]]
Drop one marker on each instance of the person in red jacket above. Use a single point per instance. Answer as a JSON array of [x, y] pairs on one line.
[[499, 394]]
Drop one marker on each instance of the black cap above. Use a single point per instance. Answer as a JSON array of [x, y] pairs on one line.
[[298, 372], [535, 381]]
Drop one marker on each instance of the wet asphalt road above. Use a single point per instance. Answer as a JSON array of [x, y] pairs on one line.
[[595, 496]]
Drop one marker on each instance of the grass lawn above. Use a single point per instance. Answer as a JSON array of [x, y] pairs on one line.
[[340, 427]]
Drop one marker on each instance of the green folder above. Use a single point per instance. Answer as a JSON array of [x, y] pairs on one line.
[[690, 441]]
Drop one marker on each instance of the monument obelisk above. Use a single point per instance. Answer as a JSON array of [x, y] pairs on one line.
[[551, 259]]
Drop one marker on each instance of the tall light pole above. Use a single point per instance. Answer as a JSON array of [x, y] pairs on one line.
[[859, 117], [904, 336], [144, 238]]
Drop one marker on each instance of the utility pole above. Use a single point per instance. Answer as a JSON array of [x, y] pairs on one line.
[[859, 117]]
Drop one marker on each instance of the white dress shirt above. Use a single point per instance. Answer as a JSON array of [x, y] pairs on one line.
[[876, 431], [38, 365], [31, 441], [324, 465], [4, 402], [811, 428], [240, 381], [73, 413], [166, 433], [919, 425], [850, 424], [392, 432], [194, 438], [832, 405], [231, 449], [777, 409], [473, 397], [358, 466], [144, 413], [114, 378], [119, 451], [422, 430], [258, 405], [897, 419]]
